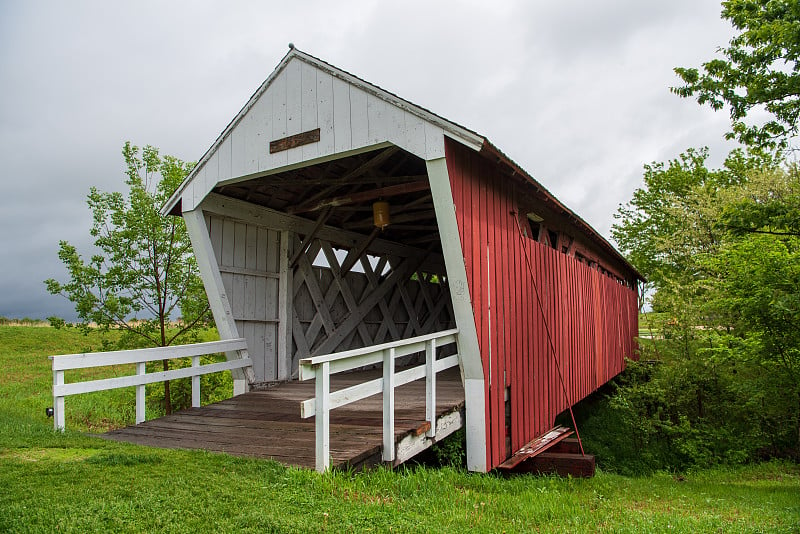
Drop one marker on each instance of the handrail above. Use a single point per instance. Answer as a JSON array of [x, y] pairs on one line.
[[69, 362], [321, 367]]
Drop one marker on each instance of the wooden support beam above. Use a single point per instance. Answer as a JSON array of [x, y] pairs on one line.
[[387, 324], [344, 289], [395, 219], [356, 253], [397, 275], [364, 196], [468, 347], [371, 163], [358, 171], [284, 305], [269, 218], [310, 237]]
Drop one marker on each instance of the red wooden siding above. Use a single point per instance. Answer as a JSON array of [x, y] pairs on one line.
[[592, 317]]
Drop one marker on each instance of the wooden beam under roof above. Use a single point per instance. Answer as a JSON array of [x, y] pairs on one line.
[[364, 196], [395, 219]]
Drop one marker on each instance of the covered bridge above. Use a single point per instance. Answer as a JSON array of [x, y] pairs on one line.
[[332, 215]]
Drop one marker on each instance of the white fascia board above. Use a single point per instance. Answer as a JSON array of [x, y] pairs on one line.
[[301, 164], [176, 196]]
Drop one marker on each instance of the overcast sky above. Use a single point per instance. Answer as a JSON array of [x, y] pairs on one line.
[[576, 92]]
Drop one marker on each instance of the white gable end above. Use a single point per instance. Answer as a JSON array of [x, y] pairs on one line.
[[304, 94]]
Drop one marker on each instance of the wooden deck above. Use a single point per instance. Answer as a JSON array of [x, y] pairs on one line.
[[267, 423]]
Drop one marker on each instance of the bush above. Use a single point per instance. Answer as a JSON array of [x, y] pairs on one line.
[[687, 409]]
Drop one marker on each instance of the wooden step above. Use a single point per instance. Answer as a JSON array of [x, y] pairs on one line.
[[559, 463], [536, 446], [567, 445]]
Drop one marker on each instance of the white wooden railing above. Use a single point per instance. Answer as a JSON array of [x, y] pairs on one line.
[[322, 367], [140, 357]]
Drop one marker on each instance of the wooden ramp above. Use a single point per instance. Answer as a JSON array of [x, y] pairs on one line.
[[267, 423]]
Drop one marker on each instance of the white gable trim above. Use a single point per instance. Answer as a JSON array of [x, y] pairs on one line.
[[411, 127]]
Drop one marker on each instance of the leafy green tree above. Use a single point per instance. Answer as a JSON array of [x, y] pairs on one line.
[[722, 249], [670, 221], [768, 204], [759, 71], [142, 275]]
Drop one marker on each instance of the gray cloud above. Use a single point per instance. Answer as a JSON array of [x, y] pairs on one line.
[[575, 92]]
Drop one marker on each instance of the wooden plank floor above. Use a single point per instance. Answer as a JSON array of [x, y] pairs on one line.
[[267, 424]]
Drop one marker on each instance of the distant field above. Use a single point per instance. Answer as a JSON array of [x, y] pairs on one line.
[[651, 324], [72, 482]]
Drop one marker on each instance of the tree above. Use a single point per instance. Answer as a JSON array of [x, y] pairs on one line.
[[667, 224], [759, 70], [722, 250], [143, 273]]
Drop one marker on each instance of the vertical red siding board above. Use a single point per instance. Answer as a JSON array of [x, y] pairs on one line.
[[554, 316], [487, 350], [569, 335], [541, 359], [577, 318], [561, 344], [591, 306], [537, 372], [525, 340], [523, 333], [553, 323], [566, 389], [574, 340], [597, 330], [498, 407], [584, 331], [543, 356], [498, 265], [520, 320], [522, 404], [543, 373], [501, 282], [588, 327]]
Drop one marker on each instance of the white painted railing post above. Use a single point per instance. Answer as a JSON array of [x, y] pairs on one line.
[[139, 358], [320, 368], [430, 386], [140, 397], [195, 383], [322, 386], [388, 405], [58, 402]]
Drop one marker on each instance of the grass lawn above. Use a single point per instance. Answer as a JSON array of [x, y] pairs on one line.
[[73, 482]]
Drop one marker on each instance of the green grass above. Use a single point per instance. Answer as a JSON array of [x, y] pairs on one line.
[[72, 482]]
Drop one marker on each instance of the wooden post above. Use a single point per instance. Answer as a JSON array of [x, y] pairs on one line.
[[284, 307], [430, 386], [322, 385], [195, 383], [140, 394], [388, 405], [58, 402], [468, 347]]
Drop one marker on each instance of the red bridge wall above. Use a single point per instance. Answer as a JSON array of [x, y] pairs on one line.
[[592, 317]]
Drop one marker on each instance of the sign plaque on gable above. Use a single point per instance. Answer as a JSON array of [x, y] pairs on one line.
[[294, 141]]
